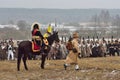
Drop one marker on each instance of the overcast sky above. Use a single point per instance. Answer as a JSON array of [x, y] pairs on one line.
[[62, 4]]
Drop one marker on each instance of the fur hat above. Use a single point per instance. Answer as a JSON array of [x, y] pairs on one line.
[[75, 35]]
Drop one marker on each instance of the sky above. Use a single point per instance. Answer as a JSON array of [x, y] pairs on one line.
[[61, 4]]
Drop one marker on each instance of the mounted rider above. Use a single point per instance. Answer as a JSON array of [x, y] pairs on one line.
[[36, 37]]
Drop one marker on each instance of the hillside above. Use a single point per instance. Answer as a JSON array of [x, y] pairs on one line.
[[23, 18], [7, 33], [50, 15]]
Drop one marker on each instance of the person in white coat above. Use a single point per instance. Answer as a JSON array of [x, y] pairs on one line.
[[10, 52]]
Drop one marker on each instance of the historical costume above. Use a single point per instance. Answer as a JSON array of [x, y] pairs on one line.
[[10, 51], [111, 48], [88, 49], [72, 57], [36, 37], [104, 47], [116, 47], [83, 49]]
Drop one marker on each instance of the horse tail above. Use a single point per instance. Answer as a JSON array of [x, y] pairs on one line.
[[19, 57]]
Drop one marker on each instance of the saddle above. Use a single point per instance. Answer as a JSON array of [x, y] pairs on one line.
[[35, 47]]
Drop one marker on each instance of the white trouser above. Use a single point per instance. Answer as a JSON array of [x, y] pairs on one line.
[[76, 66], [10, 52]]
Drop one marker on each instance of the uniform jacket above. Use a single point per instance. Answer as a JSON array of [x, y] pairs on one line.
[[73, 56]]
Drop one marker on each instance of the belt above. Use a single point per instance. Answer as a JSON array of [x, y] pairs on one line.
[[34, 37]]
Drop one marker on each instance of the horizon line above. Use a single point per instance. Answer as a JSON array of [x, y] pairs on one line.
[[53, 8]]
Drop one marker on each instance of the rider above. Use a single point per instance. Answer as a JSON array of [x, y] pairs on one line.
[[36, 34]]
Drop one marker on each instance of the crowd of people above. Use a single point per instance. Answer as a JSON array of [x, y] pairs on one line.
[[70, 50], [88, 48], [8, 49], [59, 50]]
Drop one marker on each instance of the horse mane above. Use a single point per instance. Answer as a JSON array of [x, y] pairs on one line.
[[52, 38]]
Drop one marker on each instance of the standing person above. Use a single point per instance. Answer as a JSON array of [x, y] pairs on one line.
[[10, 51], [83, 49], [104, 47], [116, 47], [72, 57], [88, 48], [111, 48], [63, 50]]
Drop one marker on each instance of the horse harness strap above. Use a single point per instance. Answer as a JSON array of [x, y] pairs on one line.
[[45, 41]]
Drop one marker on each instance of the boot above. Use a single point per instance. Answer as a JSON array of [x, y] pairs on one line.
[[65, 66], [76, 67]]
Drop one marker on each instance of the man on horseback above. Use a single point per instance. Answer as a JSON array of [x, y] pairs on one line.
[[24, 47], [36, 37]]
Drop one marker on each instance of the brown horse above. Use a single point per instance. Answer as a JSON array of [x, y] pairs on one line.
[[25, 48]]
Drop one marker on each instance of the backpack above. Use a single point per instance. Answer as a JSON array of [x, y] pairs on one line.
[[69, 45]]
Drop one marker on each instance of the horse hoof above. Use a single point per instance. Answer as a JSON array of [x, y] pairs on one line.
[[26, 69], [42, 67]]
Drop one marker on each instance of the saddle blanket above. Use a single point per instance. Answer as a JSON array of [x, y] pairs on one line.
[[35, 47]]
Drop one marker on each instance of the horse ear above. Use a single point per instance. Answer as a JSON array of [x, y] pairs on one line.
[[56, 32]]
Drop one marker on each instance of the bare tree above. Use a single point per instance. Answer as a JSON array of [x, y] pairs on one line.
[[22, 24]]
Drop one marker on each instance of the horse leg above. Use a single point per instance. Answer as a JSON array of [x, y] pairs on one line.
[[43, 61], [18, 61], [24, 61]]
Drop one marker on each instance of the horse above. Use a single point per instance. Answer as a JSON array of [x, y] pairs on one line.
[[25, 48]]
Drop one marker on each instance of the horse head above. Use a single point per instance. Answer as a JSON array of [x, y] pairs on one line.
[[53, 37]]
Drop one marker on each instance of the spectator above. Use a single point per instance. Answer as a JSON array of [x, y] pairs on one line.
[[10, 51]]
